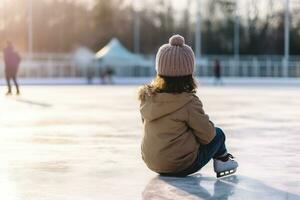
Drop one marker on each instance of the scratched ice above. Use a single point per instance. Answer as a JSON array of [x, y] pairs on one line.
[[83, 143]]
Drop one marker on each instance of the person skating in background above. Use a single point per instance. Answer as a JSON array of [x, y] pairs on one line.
[[179, 138], [106, 75], [217, 72], [90, 74], [102, 75], [110, 72], [11, 60]]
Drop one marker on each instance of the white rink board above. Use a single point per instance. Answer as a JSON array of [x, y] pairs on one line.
[[83, 143]]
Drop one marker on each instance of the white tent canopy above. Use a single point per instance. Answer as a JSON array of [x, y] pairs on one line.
[[116, 55]]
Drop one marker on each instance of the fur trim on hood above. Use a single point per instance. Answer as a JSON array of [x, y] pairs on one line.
[[146, 90]]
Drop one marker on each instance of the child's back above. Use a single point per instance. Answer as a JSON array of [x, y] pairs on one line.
[[179, 139], [169, 144]]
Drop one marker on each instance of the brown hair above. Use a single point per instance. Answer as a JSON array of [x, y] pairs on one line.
[[168, 84], [176, 84]]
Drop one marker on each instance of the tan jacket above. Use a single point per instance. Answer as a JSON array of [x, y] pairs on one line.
[[174, 127]]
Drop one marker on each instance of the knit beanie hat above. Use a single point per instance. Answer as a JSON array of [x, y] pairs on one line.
[[175, 58]]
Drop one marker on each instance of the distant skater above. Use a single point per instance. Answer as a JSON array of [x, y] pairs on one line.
[[11, 60], [102, 76], [217, 72], [110, 72], [179, 138], [90, 75]]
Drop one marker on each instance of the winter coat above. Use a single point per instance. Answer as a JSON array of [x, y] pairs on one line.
[[12, 60], [175, 125]]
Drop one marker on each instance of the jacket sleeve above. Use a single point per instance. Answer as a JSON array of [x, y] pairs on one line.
[[199, 122]]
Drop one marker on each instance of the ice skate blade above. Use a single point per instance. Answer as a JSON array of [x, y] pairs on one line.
[[226, 173]]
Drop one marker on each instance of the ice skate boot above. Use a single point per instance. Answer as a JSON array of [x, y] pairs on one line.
[[225, 165], [8, 93]]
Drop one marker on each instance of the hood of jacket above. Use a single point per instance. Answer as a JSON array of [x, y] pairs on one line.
[[156, 105]]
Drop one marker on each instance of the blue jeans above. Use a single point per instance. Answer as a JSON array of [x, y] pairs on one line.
[[214, 149]]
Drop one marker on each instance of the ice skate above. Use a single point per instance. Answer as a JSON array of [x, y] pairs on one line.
[[8, 93], [225, 166]]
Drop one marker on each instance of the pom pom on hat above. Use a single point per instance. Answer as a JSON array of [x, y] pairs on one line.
[[176, 40]]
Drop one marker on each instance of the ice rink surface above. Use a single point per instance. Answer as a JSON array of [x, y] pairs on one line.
[[83, 143]]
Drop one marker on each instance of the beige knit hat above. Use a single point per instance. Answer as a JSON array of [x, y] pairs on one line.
[[175, 58]]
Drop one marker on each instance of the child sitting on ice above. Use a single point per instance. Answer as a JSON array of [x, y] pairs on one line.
[[179, 139]]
